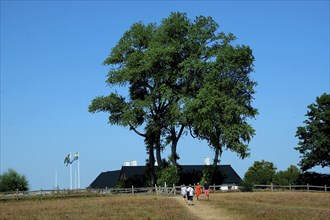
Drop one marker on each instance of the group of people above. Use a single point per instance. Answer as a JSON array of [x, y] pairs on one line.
[[188, 192]]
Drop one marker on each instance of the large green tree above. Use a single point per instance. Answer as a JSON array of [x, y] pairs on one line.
[[222, 106], [314, 137], [168, 66]]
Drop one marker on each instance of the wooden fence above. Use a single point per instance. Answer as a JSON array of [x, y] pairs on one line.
[[158, 190], [307, 188]]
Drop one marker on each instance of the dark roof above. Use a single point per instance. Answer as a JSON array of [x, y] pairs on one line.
[[109, 179], [133, 170], [106, 180], [230, 175]]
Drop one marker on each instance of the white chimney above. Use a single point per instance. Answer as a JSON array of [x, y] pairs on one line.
[[207, 161], [133, 163], [126, 164]]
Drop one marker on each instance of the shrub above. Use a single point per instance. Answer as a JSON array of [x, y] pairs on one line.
[[169, 176], [12, 181], [245, 186]]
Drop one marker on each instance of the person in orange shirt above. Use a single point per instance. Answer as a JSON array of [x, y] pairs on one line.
[[198, 191]]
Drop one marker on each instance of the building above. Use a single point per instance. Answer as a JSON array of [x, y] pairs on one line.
[[191, 174]]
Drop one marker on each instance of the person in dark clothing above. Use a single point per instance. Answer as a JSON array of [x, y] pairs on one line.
[[207, 189]]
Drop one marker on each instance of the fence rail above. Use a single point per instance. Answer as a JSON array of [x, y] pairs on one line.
[[307, 188], [158, 190]]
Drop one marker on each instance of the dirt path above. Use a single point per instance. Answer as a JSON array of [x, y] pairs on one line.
[[205, 211]]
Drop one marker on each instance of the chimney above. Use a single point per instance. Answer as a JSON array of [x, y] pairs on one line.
[[207, 161], [126, 164], [133, 163]]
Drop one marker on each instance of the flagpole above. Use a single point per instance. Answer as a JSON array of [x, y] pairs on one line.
[[55, 179], [70, 174], [78, 169], [75, 178]]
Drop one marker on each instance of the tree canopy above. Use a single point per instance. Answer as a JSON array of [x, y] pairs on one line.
[[12, 181], [261, 172], [181, 75], [314, 137], [289, 176]]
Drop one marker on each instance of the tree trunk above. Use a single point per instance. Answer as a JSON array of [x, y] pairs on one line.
[[158, 153], [215, 167], [150, 142], [152, 165], [175, 138], [174, 155]]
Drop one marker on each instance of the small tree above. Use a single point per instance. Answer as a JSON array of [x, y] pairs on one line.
[[261, 172], [289, 176], [314, 144], [11, 181], [168, 175]]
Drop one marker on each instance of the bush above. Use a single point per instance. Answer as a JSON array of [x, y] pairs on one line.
[[12, 181], [313, 178], [245, 186], [261, 172], [169, 176], [289, 176]]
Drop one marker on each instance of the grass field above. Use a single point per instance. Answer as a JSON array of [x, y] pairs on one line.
[[112, 207], [258, 205], [273, 205]]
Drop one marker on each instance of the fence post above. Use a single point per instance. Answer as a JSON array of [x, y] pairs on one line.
[[132, 189], [17, 194], [166, 190], [307, 187], [272, 187], [325, 188], [174, 189], [290, 187]]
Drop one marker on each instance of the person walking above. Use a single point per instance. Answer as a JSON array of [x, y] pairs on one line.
[[198, 191], [206, 189], [190, 194], [184, 192]]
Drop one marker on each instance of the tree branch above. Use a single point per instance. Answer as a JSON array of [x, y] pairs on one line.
[[136, 131]]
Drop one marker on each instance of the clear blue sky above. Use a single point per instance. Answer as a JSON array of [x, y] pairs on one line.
[[51, 69]]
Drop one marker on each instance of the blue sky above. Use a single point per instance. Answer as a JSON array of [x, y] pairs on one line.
[[51, 69]]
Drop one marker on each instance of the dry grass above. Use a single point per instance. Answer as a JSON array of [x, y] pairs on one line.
[[258, 205], [274, 205], [112, 207]]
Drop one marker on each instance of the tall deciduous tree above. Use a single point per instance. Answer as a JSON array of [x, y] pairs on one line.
[[222, 106], [314, 144], [165, 68]]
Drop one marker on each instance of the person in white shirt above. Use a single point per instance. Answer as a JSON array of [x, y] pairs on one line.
[[190, 194], [184, 192]]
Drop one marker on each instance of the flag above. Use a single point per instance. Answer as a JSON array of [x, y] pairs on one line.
[[76, 157], [67, 160]]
